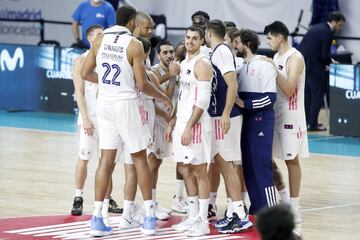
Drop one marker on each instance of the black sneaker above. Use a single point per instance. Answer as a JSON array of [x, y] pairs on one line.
[[212, 212], [77, 208], [113, 207], [236, 225]]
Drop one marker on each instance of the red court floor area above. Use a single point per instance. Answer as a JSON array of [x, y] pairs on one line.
[[70, 227]]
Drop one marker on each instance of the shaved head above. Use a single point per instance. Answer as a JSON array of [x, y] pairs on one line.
[[143, 25], [142, 17]]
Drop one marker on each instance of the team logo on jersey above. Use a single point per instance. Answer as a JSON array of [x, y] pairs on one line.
[[261, 134], [99, 15], [188, 72], [288, 126], [280, 67]]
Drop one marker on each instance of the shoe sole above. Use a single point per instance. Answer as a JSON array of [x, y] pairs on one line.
[[76, 213], [98, 233], [236, 230], [116, 211], [148, 231], [197, 235]]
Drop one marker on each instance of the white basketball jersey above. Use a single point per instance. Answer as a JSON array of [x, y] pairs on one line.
[[206, 51], [143, 95], [289, 112], [116, 76], [90, 90], [188, 90]]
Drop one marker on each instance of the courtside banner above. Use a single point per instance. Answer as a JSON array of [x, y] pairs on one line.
[[29, 33], [37, 78], [344, 100]]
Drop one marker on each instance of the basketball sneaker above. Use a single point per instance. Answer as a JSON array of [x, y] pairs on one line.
[[236, 225], [178, 204], [98, 228], [113, 207], [185, 224], [199, 228], [149, 225], [222, 222], [212, 212], [160, 213], [77, 208], [126, 223]]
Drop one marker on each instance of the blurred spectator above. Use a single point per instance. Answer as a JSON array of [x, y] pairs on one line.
[[88, 13], [276, 223], [321, 10], [315, 47], [230, 24]]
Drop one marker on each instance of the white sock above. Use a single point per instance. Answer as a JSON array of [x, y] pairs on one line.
[[179, 189], [194, 206], [284, 196], [238, 208], [128, 206], [294, 203], [97, 208], [213, 196], [79, 192], [229, 209], [149, 208], [153, 191], [244, 197], [203, 208], [105, 208]]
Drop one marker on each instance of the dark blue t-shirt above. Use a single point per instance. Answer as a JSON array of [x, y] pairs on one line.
[[223, 61]]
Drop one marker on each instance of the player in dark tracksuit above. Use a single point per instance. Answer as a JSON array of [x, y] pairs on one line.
[[257, 94]]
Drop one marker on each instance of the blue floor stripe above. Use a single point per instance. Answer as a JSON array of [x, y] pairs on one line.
[[345, 146], [39, 121]]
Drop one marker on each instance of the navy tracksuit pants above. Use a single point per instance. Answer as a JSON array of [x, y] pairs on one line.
[[256, 147]]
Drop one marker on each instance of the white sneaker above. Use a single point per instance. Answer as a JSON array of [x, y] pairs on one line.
[[126, 224], [178, 204], [200, 228], [160, 214], [165, 210], [185, 224], [138, 213], [297, 216]]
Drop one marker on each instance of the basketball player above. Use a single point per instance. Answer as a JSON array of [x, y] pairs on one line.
[[290, 135], [231, 39], [200, 19], [166, 70], [226, 122], [118, 57], [192, 133], [257, 86], [88, 135], [131, 217], [143, 29]]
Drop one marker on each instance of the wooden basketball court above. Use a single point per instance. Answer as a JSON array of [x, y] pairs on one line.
[[37, 179]]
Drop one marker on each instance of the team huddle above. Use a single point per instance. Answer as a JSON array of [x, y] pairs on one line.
[[210, 104]]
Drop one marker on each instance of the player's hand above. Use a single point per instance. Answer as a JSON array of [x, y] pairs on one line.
[[174, 68], [88, 127], [186, 137], [239, 102], [225, 123], [168, 131], [267, 59], [167, 103]]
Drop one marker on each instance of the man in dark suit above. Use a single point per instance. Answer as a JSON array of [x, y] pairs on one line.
[[315, 47]]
